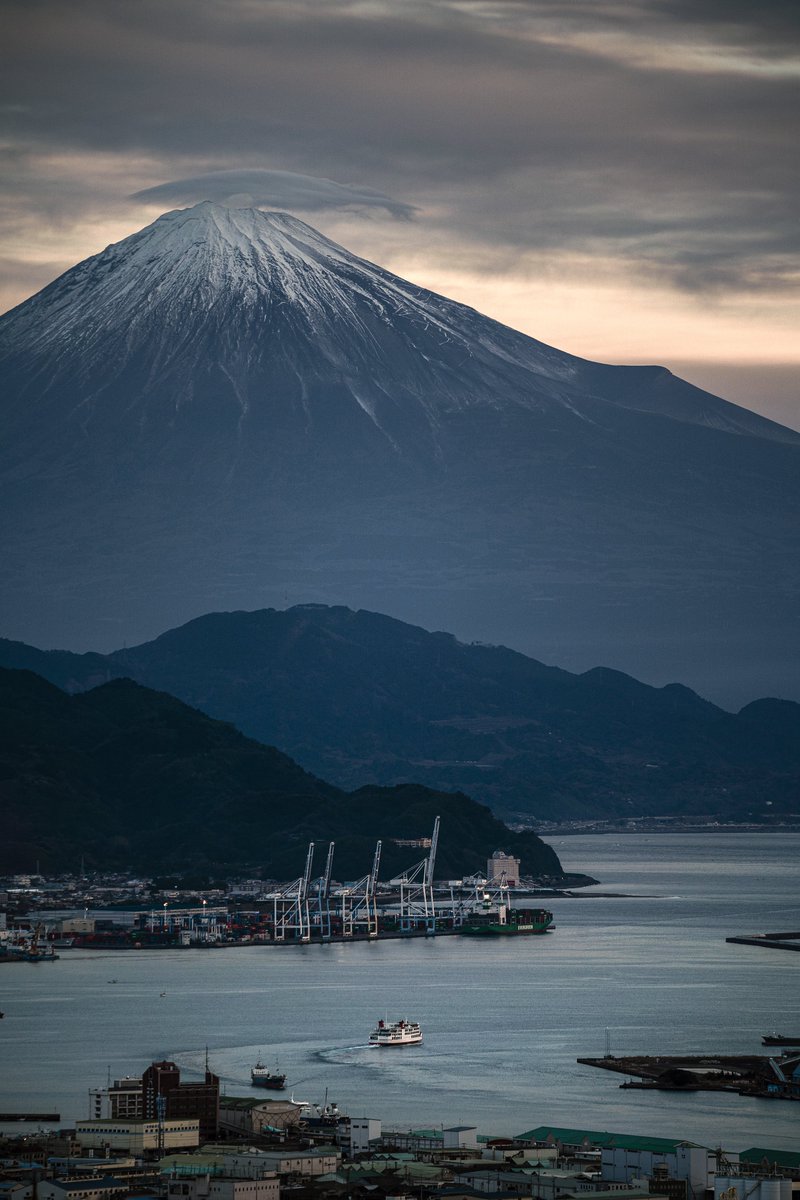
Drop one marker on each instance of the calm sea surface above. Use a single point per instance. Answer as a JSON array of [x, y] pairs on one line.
[[504, 1021]]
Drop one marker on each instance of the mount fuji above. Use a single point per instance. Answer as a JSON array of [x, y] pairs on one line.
[[228, 410]]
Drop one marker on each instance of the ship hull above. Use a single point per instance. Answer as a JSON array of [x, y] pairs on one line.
[[410, 1041], [516, 923], [396, 1033], [496, 930]]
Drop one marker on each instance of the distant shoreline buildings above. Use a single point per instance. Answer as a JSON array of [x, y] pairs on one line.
[[203, 1145]]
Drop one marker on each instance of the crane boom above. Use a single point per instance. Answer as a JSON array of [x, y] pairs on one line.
[[373, 875], [431, 862], [306, 876], [325, 889]]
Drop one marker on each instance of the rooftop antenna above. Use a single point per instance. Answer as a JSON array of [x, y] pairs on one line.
[[161, 1113]]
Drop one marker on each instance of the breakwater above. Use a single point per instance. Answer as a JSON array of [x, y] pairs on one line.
[[769, 941]]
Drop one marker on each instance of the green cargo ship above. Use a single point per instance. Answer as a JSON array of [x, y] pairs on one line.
[[506, 921]]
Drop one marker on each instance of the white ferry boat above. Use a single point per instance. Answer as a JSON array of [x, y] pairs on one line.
[[396, 1033]]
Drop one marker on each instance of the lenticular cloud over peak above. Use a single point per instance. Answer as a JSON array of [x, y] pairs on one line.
[[260, 188]]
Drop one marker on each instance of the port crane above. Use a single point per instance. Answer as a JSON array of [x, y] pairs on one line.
[[322, 906], [302, 906], [359, 909], [290, 906], [417, 908]]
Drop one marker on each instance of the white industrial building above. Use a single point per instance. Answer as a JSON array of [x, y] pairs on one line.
[[694, 1165], [460, 1137], [363, 1130]]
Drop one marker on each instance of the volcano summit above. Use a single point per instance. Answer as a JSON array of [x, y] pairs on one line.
[[227, 410]]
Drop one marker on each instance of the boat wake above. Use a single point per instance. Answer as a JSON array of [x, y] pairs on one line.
[[341, 1053]]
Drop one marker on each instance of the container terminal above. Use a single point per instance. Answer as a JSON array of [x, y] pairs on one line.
[[312, 909]]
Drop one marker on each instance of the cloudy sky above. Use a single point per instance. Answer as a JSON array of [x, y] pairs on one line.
[[615, 177]]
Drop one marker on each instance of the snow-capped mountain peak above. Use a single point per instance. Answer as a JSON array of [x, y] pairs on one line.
[[267, 303], [227, 407]]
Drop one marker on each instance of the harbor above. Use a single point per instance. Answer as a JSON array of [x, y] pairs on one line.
[[504, 1019], [308, 910], [775, 1077]]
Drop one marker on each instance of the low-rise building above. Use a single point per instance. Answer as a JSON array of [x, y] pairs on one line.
[[208, 1187], [221, 1162], [642, 1157], [137, 1136], [120, 1165], [520, 1156], [784, 1163], [550, 1181], [304, 1163], [15, 1189], [253, 1115], [492, 1179], [626, 1157], [81, 1189], [414, 1141]]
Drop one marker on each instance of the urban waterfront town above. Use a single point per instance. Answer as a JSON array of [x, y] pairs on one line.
[[166, 1132], [162, 1136]]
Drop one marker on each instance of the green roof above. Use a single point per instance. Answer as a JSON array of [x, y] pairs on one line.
[[403, 1167], [191, 1164], [597, 1139], [783, 1158]]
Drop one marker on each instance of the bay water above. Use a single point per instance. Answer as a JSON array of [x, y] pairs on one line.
[[645, 971]]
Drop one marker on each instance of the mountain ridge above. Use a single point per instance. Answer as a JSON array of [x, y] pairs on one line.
[[125, 777], [360, 698]]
